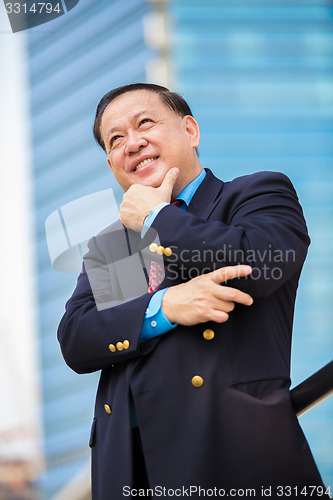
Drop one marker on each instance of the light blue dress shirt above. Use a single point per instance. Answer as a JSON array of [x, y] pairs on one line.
[[155, 322]]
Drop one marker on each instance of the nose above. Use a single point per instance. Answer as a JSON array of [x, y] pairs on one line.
[[134, 142]]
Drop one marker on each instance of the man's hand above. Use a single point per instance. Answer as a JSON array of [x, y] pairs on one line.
[[204, 299], [139, 200]]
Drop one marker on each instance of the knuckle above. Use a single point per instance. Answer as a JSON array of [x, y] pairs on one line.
[[203, 311], [221, 274], [203, 289]]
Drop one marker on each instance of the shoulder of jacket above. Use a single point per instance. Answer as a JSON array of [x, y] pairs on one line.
[[265, 175], [266, 180]]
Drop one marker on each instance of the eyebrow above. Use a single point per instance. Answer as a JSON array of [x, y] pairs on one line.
[[115, 129]]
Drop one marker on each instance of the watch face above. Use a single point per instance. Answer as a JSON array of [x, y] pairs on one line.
[[29, 14]]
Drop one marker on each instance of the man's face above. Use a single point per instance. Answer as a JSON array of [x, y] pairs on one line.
[[144, 139]]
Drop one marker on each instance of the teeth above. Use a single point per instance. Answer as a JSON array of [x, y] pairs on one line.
[[144, 162]]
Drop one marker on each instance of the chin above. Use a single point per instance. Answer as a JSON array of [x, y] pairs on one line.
[[153, 181]]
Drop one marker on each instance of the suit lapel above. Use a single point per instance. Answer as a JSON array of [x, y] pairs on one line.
[[126, 260], [207, 196], [117, 241]]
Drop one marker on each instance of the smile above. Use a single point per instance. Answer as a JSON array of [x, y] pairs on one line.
[[145, 162]]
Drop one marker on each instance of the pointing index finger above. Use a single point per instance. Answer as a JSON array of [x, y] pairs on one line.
[[230, 272]]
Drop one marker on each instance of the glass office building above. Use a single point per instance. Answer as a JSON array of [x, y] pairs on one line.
[[73, 61]]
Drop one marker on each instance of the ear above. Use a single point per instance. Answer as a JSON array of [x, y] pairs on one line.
[[109, 163], [192, 130]]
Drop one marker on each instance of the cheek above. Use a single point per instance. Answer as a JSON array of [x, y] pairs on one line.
[[115, 162], [175, 142]]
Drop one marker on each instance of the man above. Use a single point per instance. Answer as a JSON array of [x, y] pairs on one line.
[[195, 371]]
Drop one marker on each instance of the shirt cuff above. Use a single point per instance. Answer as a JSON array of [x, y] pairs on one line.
[[151, 217], [155, 322]]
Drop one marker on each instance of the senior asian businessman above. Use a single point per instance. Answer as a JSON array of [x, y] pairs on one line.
[[195, 370]]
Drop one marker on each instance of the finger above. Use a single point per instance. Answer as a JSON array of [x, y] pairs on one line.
[[219, 316], [219, 303], [227, 294], [229, 272], [169, 181]]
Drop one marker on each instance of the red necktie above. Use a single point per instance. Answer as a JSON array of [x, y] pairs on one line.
[[156, 269], [155, 276]]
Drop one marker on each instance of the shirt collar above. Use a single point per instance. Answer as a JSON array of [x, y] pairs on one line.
[[189, 191]]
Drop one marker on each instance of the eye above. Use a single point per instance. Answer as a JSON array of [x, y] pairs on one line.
[[113, 140], [145, 120]]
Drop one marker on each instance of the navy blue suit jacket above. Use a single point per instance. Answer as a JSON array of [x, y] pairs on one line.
[[239, 429]]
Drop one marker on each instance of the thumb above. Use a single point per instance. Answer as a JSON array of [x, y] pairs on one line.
[[169, 181]]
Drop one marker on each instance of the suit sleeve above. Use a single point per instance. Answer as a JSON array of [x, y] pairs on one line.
[[263, 226], [98, 330]]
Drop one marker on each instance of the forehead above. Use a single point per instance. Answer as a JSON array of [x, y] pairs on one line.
[[129, 105]]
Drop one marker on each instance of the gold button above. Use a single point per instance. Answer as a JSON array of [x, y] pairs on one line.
[[167, 251], [208, 334], [112, 348], [107, 409], [160, 250], [197, 381], [120, 346], [153, 247], [126, 344]]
